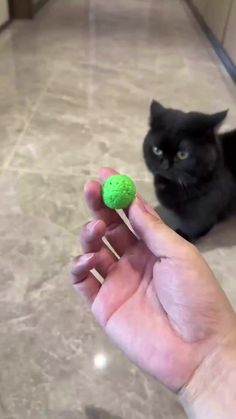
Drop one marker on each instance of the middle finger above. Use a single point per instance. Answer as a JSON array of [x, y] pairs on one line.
[[91, 241]]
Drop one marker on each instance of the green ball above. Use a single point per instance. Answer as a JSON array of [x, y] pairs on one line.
[[118, 192]]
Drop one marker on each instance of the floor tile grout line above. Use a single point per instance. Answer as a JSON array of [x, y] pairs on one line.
[[42, 172], [27, 124], [60, 174]]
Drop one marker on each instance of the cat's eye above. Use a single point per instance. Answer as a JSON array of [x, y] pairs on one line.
[[182, 155], [157, 151]]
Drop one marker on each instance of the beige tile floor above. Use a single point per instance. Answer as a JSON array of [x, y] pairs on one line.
[[75, 86]]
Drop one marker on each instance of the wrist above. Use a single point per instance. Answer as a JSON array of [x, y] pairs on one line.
[[211, 392]]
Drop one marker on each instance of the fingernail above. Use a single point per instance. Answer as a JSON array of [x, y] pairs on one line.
[[91, 226], [83, 260], [144, 206], [150, 210], [140, 203]]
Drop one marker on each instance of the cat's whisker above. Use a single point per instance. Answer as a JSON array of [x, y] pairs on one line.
[[183, 186]]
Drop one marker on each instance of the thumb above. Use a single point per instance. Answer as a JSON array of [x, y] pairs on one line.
[[158, 237]]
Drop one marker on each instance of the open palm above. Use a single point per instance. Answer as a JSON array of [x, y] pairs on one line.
[[158, 299]]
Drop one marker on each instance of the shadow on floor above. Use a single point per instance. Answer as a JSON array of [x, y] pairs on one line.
[[222, 235], [97, 413]]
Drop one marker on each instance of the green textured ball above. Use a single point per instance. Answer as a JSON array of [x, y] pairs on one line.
[[118, 191]]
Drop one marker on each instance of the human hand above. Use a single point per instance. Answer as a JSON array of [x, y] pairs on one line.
[[159, 301]]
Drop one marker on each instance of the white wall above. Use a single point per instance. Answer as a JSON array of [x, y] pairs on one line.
[[4, 13], [230, 35]]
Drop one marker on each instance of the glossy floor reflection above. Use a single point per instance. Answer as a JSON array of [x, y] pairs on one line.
[[75, 87]]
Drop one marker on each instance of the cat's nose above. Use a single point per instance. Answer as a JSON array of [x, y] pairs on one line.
[[165, 165]]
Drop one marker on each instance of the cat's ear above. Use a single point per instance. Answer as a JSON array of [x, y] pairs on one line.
[[156, 114], [202, 123], [217, 118]]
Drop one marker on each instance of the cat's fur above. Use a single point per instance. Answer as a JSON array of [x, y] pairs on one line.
[[198, 190]]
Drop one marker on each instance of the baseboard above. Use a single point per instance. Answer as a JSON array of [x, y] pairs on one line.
[[219, 49], [25, 9], [5, 25], [39, 4]]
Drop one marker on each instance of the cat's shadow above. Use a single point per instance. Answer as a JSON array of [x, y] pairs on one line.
[[223, 235], [97, 413]]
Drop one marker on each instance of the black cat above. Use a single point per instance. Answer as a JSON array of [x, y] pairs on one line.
[[194, 168]]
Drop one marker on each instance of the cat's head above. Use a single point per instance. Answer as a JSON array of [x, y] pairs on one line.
[[182, 147]]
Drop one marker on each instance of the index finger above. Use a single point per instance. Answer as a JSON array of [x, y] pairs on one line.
[[105, 172], [94, 201]]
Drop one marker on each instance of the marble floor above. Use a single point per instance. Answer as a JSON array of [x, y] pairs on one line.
[[75, 87]]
